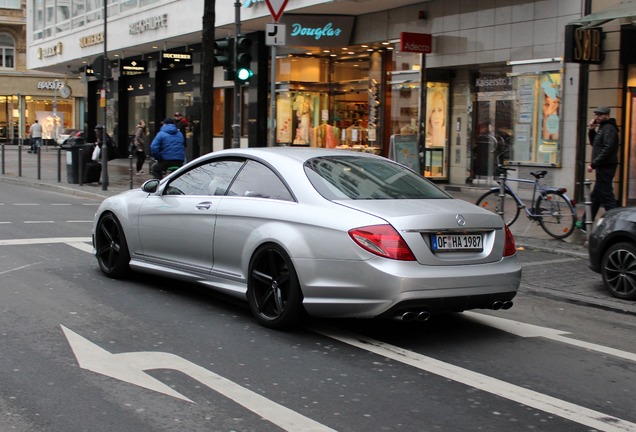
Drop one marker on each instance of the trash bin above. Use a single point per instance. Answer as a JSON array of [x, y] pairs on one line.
[[76, 155]]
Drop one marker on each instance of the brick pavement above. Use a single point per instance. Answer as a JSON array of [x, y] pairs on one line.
[[577, 284]]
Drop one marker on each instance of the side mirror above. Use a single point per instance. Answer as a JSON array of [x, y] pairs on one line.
[[150, 186]]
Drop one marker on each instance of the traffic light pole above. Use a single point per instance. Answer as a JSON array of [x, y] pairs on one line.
[[103, 100], [236, 127]]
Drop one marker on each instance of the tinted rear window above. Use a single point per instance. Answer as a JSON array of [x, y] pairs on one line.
[[363, 178]]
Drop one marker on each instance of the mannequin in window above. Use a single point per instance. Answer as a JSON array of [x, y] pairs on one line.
[[303, 111], [436, 120]]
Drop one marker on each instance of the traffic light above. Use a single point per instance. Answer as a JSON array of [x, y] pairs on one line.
[[224, 56], [244, 59]]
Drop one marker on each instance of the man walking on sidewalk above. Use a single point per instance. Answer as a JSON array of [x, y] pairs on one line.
[[603, 134], [36, 137]]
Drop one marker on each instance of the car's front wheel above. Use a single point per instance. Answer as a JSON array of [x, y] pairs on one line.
[[111, 248], [619, 270], [273, 289]]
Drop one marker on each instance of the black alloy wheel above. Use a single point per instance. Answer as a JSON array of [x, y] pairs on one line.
[[112, 251], [619, 270], [273, 289]]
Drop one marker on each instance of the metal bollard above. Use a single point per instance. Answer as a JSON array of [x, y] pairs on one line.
[[130, 171], [502, 193], [39, 165], [588, 207], [80, 166], [20, 160], [2, 145], [59, 164]]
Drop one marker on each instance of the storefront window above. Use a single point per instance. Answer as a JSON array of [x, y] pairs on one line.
[[537, 119], [331, 106], [8, 122], [53, 119], [138, 109], [180, 102]]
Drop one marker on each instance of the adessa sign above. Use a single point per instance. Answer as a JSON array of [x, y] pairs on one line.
[[318, 30], [416, 42]]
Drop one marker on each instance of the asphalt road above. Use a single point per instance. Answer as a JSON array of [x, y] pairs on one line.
[[81, 352]]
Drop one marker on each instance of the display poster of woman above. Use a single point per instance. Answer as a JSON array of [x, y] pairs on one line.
[[436, 113], [551, 101]]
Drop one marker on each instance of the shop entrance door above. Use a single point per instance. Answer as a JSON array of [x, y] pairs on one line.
[[492, 133]]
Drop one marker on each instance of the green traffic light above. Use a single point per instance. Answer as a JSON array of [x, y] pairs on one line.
[[244, 74]]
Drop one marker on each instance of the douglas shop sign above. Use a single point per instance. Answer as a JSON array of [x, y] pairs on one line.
[[318, 30]]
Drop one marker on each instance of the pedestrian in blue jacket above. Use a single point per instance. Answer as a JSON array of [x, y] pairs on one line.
[[167, 148]]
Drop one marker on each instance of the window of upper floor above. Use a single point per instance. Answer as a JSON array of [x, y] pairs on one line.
[[10, 4], [7, 51]]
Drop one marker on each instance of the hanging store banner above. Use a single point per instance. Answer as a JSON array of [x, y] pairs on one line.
[[172, 60], [583, 45], [131, 67], [318, 30], [416, 42]]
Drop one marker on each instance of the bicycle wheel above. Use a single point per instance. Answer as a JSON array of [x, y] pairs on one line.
[[490, 201], [556, 214]]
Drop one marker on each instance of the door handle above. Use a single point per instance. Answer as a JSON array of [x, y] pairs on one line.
[[204, 205]]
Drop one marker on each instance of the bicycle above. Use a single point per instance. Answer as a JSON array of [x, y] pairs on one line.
[[551, 207]]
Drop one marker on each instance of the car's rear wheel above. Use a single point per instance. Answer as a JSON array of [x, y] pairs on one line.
[[273, 289], [111, 248], [619, 270]]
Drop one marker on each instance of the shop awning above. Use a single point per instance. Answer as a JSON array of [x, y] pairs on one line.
[[626, 9]]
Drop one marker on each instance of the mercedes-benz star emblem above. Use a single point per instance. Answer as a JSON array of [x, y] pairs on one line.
[[460, 220]]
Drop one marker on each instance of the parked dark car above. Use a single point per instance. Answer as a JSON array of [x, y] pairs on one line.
[[612, 250]]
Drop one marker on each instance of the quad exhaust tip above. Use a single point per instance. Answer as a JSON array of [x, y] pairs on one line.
[[407, 316], [424, 315], [505, 305]]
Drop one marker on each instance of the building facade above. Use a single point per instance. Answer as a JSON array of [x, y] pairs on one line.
[[27, 95], [448, 87]]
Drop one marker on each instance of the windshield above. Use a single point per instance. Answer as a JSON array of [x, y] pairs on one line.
[[364, 178]]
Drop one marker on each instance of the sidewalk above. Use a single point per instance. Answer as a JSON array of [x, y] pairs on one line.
[[52, 175]]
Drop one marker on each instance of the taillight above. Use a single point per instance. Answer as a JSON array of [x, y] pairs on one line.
[[510, 248], [382, 240]]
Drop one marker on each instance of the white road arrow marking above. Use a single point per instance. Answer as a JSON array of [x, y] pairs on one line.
[[130, 367]]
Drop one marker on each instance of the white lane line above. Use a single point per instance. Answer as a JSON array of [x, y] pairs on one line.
[[61, 204], [555, 261], [19, 268], [26, 204], [529, 330], [549, 404], [79, 221], [21, 242], [85, 247], [5, 223], [39, 222]]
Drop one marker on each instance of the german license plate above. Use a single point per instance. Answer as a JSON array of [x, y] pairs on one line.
[[457, 243]]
